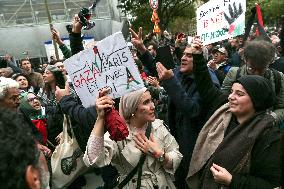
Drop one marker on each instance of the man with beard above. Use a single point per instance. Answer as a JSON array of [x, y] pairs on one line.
[[23, 165]]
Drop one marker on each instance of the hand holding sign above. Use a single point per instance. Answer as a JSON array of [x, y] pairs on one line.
[[103, 102]]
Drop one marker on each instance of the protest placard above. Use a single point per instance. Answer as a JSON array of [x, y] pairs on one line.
[[220, 19], [107, 65]]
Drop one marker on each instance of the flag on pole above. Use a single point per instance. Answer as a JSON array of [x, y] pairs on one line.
[[259, 18]]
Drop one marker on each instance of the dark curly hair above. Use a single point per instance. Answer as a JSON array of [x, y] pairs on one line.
[[260, 53], [16, 75], [17, 150]]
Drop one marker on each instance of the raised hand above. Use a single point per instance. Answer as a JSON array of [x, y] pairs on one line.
[[137, 40], [56, 36], [103, 102], [234, 13], [153, 81], [163, 73], [59, 93], [76, 25], [196, 45], [212, 64]]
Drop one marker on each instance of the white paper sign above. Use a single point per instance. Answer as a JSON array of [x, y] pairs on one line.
[[109, 64], [220, 19]]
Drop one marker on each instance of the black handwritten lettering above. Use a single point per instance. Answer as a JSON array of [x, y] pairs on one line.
[[108, 77], [125, 58], [213, 9], [114, 59], [118, 73], [114, 87], [115, 75], [92, 87], [226, 1]]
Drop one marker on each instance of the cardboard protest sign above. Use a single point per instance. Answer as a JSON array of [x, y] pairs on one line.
[[107, 65], [220, 19]]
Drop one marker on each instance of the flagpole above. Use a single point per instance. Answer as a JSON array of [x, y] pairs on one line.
[[51, 27]]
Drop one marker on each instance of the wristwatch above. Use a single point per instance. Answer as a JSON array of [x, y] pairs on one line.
[[162, 158]]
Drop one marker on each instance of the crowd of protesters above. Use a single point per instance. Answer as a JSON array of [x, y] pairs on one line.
[[214, 120]]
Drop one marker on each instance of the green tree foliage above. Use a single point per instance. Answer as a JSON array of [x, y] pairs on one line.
[[272, 10], [186, 23], [168, 11]]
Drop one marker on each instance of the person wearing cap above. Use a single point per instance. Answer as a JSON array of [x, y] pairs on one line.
[[219, 63], [239, 146], [162, 156]]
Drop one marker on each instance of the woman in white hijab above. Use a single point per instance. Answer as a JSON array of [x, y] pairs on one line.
[[161, 150]]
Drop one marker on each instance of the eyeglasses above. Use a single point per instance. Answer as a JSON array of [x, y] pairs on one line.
[[32, 99]]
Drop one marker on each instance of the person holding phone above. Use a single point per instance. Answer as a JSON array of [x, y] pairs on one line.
[[185, 107]]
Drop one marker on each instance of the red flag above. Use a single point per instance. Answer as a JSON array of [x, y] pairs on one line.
[[259, 18]]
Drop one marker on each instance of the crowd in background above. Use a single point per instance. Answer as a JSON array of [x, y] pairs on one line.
[[218, 116]]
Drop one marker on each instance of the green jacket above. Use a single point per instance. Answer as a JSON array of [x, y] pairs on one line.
[[65, 51], [278, 108]]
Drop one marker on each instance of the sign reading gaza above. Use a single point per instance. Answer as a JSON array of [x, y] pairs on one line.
[[220, 19], [107, 65]]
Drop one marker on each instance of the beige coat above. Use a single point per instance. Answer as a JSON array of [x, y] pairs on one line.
[[125, 156]]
